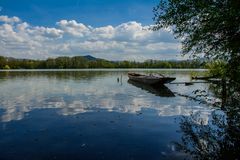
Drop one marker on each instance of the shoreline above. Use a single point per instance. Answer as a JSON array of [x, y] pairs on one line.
[[104, 69]]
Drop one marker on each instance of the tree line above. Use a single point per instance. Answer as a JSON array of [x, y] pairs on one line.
[[82, 62]]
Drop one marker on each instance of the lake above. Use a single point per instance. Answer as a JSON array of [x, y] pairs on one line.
[[94, 114]]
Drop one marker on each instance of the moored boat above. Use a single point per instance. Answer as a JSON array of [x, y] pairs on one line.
[[150, 79]]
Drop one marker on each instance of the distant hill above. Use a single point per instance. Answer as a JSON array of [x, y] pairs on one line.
[[90, 58]]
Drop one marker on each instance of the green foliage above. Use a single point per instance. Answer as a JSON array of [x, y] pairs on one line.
[[2, 61], [217, 68], [81, 62], [204, 26], [6, 67]]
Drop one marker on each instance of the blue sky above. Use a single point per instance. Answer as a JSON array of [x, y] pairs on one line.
[[92, 12], [111, 29]]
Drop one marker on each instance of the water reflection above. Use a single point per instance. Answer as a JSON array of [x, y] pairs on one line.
[[216, 137], [158, 90], [76, 92], [91, 115]]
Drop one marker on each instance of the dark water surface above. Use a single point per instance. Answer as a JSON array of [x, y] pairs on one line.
[[83, 114]]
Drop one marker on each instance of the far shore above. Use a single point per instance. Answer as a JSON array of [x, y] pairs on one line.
[[108, 69]]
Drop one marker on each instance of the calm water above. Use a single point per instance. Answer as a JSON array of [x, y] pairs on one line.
[[82, 114]]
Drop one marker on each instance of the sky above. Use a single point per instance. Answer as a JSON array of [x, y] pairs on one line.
[[110, 29]]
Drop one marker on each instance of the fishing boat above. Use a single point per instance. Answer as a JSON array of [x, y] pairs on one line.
[[150, 79]]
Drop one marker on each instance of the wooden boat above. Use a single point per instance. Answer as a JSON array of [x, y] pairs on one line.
[[150, 79]]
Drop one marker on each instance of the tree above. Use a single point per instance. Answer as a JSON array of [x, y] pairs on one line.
[[6, 67], [205, 26], [209, 27], [2, 62]]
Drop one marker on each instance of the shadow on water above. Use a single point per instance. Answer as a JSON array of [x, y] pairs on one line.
[[158, 90]]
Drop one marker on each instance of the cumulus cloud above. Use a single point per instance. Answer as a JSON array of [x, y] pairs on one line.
[[127, 41], [7, 19], [46, 32], [73, 28]]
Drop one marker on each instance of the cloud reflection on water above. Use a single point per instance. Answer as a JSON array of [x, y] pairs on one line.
[[22, 95]]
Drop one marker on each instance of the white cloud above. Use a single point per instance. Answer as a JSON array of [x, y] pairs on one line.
[[46, 32], [22, 26], [6, 19], [127, 41], [106, 32], [73, 28]]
